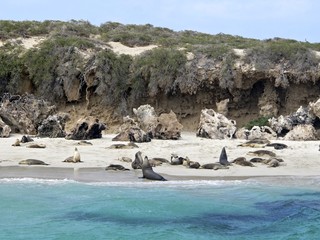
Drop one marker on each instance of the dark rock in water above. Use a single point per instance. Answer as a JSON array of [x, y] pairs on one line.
[[87, 128], [53, 126]]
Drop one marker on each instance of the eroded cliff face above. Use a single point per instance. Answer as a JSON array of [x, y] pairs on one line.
[[251, 94], [86, 85]]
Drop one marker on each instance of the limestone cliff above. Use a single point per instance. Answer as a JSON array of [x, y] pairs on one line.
[[87, 74]]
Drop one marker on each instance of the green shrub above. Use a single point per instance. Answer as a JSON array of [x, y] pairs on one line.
[[159, 67], [262, 121]]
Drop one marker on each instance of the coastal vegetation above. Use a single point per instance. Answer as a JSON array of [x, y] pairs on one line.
[[204, 68]]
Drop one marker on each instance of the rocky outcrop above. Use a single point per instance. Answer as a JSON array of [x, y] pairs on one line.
[[283, 124], [302, 132], [165, 126], [146, 117], [53, 126], [87, 128], [23, 114], [256, 132], [4, 129], [130, 131], [222, 106], [315, 108], [215, 125], [168, 127]]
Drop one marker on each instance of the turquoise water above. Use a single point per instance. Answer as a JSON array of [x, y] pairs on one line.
[[271, 208]]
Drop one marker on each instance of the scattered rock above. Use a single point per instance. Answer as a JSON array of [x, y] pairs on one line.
[[87, 128], [53, 126], [215, 125]]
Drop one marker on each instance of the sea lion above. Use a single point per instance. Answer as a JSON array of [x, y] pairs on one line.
[[243, 162], [16, 143], [148, 173], [255, 143], [176, 160], [32, 162], [163, 160], [26, 139], [36, 145], [137, 163], [214, 166], [130, 145], [116, 167], [125, 159], [277, 145], [256, 159], [75, 158], [84, 143], [191, 164], [223, 159], [273, 163], [76, 155], [263, 153], [154, 162]]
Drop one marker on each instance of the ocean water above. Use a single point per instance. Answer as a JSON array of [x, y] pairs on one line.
[[260, 208]]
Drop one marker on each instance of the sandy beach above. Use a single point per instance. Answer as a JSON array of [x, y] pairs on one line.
[[300, 159]]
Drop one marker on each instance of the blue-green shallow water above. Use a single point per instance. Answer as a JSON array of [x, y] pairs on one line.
[[273, 208]]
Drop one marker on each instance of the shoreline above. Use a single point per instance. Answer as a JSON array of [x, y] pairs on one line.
[[300, 159]]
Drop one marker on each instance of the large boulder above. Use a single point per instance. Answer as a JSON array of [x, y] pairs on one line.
[[315, 108], [130, 131], [165, 126], [53, 126], [146, 117], [256, 132], [23, 114], [302, 132], [215, 125], [4, 129], [87, 128], [168, 127], [283, 124]]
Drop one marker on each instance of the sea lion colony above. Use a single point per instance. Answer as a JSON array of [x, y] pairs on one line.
[[146, 165]]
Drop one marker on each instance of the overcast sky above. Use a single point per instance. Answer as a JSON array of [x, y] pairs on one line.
[[261, 19]]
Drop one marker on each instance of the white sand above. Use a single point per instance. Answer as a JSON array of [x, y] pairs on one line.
[[300, 158]]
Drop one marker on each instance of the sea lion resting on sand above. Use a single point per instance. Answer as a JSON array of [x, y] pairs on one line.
[[16, 143], [130, 145], [36, 145], [242, 161], [116, 167], [255, 143], [214, 166], [263, 153], [148, 173], [32, 162], [222, 164]]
